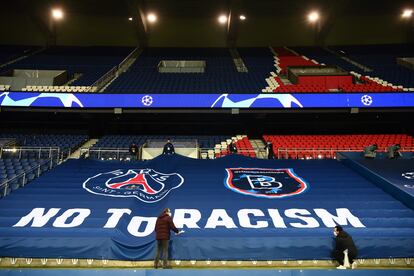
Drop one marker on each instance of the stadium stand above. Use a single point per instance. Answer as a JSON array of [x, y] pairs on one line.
[[13, 169], [210, 146], [285, 58], [382, 59], [4, 87], [326, 146], [377, 65], [70, 141], [11, 52], [90, 62], [220, 76], [55, 88], [65, 142]]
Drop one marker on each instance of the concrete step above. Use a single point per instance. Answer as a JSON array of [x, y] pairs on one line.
[[258, 145], [88, 144]]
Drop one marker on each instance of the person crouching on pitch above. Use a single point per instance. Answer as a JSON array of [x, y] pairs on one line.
[[163, 226], [344, 245]]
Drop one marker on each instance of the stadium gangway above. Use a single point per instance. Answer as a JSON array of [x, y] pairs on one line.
[[322, 153], [17, 152], [113, 72], [22, 178]]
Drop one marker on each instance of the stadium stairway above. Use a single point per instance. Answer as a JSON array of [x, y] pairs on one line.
[[382, 226], [87, 145]]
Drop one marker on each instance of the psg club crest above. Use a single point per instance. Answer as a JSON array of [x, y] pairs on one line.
[[147, 185], [265, 183]]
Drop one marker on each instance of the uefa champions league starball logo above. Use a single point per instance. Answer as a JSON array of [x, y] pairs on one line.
[[366, 100], [147, 100]]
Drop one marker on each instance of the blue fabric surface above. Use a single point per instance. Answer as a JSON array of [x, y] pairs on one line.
[[380, 225]]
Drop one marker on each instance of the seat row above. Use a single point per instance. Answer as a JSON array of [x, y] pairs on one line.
[[60, 88], [4, 87]]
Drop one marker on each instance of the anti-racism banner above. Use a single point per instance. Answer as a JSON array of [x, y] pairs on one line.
[[232, 208]]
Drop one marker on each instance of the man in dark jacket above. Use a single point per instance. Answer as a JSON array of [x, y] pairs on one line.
[[163, 226], [269, 148], [133, 151], [168, 148], [232, 147], [343, 241]]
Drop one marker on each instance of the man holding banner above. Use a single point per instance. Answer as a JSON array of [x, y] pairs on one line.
[[163, 226]]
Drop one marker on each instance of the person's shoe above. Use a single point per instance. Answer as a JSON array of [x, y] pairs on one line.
[[354, 265], [341, 267]]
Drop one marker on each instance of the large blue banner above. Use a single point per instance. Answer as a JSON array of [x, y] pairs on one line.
[[269, 100], [399, 173], [232, 208]]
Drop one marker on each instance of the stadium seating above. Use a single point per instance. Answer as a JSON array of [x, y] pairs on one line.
[[382, 59], [13, 169], [64, 88], [66, 142], [11, 52], [212, 146], [377, 66], [325, 146], [220, 76], [4, 87], [244, 147], [264, 69], [313, 84], [91, 62]]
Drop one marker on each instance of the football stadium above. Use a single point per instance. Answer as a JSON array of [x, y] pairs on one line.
[[221, 137]]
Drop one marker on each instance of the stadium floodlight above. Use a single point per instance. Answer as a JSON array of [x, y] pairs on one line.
[[313, 16], [407, 13], [393, 151], [370, 151], [152, 18], [130, 18], [222, 19], [57, 14], [242, 17]]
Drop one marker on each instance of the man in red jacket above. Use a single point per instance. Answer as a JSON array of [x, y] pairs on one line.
[[163, 226]]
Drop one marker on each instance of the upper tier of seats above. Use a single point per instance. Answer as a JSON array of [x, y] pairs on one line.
[[91, 62], [382, 59], [377, 61], [286, 58], [265, 70], [9, 53], [220, 76]]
